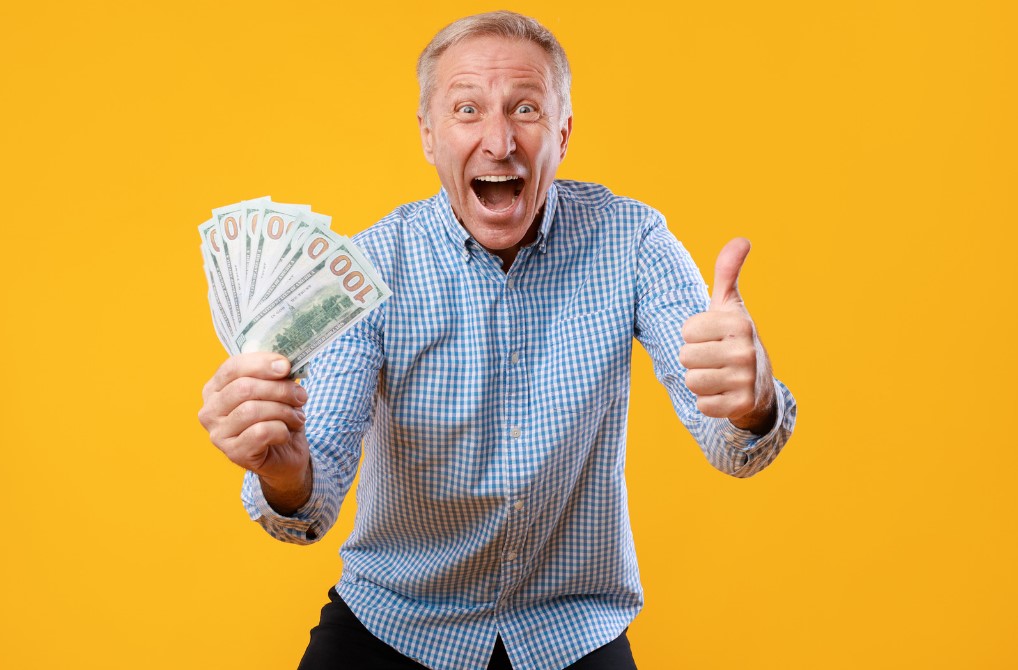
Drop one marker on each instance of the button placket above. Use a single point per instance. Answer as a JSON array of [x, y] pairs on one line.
[[515, 416]]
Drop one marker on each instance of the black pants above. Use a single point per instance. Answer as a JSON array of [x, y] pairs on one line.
[[341, 642]]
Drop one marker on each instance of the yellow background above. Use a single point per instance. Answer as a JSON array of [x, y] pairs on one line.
[[868, 149]]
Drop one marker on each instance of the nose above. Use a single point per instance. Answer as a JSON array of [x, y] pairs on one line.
[[499, 140]]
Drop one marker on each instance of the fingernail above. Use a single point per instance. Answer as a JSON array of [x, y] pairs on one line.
[[301, 395], [301, 416], [280, 366]]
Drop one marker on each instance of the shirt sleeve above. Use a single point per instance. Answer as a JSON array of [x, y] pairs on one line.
[[341, 384], [670, 289]]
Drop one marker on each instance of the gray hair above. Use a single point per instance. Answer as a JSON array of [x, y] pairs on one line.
[[508, 25]]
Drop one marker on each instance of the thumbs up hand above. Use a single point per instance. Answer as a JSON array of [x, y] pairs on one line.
[[727, 366]]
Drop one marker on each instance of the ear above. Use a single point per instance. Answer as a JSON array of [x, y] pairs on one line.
[[426, 143], [567, 130]]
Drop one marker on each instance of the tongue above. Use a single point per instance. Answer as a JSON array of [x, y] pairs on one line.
[[495, 195]]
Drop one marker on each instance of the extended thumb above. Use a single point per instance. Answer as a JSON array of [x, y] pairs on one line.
[[726, 272]]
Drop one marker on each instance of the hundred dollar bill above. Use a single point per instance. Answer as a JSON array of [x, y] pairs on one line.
[[250, 213], [228, 231], [215, 260], [281, 226], [302, 318], [263, 244], [317, 239], [224, 329]]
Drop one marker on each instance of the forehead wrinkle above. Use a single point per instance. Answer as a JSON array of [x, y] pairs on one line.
[[514, 85], [469, 85], [515, 72]]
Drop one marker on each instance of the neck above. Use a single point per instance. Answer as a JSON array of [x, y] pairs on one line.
[[508, 255]]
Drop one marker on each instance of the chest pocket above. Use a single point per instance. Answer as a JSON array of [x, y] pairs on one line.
[[588, 359]]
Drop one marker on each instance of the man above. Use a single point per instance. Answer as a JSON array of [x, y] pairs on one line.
[[491, 390]]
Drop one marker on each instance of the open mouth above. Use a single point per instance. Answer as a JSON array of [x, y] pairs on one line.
[[497, 193]]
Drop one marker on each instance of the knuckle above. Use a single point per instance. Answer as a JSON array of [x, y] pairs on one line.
[[285, 391], [246, 412], [737, 326], [265, 432], [223, 375], [276, 432], [707, 406], [229, 366], [237, 454], [219, 440], [243, 389], [745, 357], [748, 358], [256, 433], [693, 324]]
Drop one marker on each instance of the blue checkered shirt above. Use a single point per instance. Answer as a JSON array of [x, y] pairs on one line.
[[492, 410]]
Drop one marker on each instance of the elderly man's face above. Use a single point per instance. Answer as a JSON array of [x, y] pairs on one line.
[[496, 137]]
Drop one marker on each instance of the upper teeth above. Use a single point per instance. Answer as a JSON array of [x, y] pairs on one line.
[[497, 177]]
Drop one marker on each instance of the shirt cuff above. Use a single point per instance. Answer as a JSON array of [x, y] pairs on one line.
[[749, 453], [301, 527]]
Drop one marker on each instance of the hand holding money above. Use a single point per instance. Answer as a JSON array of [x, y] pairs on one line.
[[282, 286], [253, 415]]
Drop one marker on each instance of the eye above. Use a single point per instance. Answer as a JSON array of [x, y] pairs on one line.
[[525, 109], [467, 109]]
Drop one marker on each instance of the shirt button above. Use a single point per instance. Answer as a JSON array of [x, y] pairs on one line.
[[511, 556], [518, 505], [514, 358], [515, 432], [510, 282]]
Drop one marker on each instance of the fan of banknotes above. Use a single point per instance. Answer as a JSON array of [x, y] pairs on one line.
[[280, 279]]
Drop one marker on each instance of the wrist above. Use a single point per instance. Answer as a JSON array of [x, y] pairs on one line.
[[286, 495], [762, 418]]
